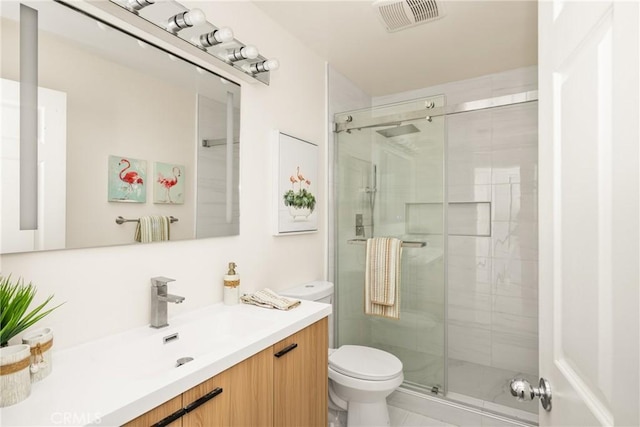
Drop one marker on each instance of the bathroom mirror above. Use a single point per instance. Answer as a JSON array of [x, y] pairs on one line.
[[125, 129]]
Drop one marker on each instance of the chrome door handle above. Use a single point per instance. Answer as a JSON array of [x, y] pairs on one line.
[[522, 390]]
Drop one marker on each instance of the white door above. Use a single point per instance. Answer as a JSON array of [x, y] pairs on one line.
[[52, 153], [589, 211]]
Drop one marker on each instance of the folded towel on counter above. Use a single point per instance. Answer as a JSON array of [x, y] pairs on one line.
[[382, 277], [269, 299], [153, 228]]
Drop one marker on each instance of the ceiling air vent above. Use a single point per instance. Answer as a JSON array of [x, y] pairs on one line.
[[397, 15]]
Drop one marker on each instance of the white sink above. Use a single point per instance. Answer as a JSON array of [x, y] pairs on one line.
[[150, 352]]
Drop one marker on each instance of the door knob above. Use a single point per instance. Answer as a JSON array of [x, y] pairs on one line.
[[522, 390]]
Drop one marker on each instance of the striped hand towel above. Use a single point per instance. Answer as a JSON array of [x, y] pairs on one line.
[[382, 277], [152, 229]]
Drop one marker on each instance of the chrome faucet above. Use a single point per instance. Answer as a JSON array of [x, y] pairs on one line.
[[159, 300]]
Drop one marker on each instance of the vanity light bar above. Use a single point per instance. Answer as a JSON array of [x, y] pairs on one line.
[[220, 43]]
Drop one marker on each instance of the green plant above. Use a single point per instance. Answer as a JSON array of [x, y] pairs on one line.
[[301, 198], [15, 299]]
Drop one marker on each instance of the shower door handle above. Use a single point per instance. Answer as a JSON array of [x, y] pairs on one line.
[[521, 389]]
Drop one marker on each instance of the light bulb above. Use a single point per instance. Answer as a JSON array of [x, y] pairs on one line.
[[213, 38], [250, 52], [246, 52], [261, 67], [184, 20], [195, 17], [271, 64], [224, 34]]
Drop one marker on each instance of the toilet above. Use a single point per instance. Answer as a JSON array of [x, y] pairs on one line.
[[360, 378]]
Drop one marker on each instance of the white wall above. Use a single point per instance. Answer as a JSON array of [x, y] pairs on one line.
[[107, 289]]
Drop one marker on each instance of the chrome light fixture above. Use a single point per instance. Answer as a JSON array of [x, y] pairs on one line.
[[217, 42], [245, 52], [264, 66], [135, 5], [221, 35], [183, 20]]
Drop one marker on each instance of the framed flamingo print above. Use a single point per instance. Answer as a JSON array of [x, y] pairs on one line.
[[168, 184], [296, 183], [127, 180]]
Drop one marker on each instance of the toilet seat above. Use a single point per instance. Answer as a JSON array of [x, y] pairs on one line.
[[365, 363]]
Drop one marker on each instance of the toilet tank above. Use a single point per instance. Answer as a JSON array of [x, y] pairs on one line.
[[319, 291]]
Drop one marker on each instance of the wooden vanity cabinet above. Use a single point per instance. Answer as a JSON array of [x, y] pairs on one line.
[[283, 385], [252, 391], [300, 378]]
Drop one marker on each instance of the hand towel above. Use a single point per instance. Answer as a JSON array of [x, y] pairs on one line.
[[152, 229], [269, 299], [382, 277]]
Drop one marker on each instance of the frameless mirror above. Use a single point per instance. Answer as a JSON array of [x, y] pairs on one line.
[[124, 129]]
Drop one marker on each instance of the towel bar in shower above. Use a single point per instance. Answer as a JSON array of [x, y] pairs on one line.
[[405, 243], [121, 220]]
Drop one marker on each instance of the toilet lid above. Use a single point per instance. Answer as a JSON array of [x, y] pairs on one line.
[[365, 363]]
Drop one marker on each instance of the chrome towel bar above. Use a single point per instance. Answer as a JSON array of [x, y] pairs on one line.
[[121, 220], [405, 243]]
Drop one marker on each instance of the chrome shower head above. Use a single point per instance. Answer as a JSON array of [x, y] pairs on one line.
[[398, 130]]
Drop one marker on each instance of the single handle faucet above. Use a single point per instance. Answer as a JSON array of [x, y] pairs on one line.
[[159, 300]]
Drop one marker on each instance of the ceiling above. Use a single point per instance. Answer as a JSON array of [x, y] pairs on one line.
[[473, 38]]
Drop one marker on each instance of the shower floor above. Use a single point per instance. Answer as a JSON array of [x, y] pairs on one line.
[[482, 386], [487, 387]]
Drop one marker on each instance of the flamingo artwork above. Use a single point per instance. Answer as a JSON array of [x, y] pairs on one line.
[[169, 183], [126, 179], [130, 177]]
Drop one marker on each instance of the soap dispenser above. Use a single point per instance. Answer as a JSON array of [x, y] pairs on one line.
[[231, 286]]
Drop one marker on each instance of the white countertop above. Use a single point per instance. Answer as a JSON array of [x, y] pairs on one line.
[[112, 380]]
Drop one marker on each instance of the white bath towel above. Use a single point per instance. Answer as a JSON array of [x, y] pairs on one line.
[[153, 228], [382, 277]]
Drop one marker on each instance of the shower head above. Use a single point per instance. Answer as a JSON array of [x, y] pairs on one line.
[[398, 130]]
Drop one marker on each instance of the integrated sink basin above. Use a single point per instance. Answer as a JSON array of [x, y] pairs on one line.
[[152, 352], [112, 380]]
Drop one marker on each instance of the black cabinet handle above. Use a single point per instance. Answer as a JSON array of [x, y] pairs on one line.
[[190, 407], [171, 418], [204, 399], [286, 350]]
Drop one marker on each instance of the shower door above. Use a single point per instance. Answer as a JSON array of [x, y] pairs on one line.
[[389, 181]]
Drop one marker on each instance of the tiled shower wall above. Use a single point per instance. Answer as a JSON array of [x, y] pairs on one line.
[[493, 280]]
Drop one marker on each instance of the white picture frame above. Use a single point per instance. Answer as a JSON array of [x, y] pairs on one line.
[[296, 184]]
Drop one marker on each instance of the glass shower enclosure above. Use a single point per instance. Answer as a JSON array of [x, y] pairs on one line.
[[458, 185], [390, 182]]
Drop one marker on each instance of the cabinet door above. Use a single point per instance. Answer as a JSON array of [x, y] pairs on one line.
[[252, 391], [160, 413], [300, 377], [212, 405]]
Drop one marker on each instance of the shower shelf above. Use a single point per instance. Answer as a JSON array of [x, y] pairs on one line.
[[405, 243]]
